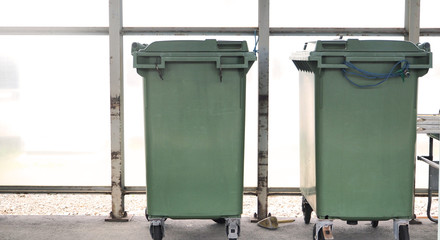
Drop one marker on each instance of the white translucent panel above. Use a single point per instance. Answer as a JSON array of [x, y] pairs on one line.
[[429, 10], [134, 118], [337, 13], [190, 13], [429, 85], [283, 112], [77, 13], [55, 117]]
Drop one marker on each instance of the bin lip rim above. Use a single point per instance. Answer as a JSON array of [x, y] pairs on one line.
[[317, 55], [305, 54], [194, 54], [361, 46], [193, 45]]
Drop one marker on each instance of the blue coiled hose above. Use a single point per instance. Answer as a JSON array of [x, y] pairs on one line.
[[402, 72]]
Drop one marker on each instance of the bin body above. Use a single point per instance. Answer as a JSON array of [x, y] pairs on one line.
[[357, 144], [194, 100]]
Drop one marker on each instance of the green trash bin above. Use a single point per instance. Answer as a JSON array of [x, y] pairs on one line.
[[194, 102], [358, 110]]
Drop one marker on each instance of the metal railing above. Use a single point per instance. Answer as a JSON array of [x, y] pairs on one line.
[[272, 191]]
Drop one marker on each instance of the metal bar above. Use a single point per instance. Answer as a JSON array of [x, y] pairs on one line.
[[189, 31], [429, 162], [116, 109], [274, 31], [57, 189], [286, 31], [273, 191], [54, 30], [430, 32], [245, 31], [263, 106], [284, 191], [293, 191], [108, 190], [412, 20]]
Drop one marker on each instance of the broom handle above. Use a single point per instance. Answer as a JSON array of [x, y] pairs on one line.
[[286, 221]]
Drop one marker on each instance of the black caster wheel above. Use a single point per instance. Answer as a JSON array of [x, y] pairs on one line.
[[219, 220], [374, 224], [403, 232], [307, 210], [156, 232], [320, 234]]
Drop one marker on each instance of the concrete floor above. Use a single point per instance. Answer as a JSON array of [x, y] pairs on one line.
[[87, 227]]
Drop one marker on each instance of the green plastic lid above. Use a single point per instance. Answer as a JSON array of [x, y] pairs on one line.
[[225, 54], [209, 45], [336, 53], [356, 45]]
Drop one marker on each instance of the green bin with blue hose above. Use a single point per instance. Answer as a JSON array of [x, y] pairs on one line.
[[194, 104], [358, 111]]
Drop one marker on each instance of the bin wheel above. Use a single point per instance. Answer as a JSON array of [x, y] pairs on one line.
[[238, 232], [374, 224], [307, 210], [156, 232], [403, 232], [320, 234], [219, 220]]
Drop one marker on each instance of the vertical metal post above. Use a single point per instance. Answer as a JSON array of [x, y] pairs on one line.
[[412, 29], [412, 20], [116, 112], [263, 106]]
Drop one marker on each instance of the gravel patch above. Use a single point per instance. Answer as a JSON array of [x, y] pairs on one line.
[[100, 205]]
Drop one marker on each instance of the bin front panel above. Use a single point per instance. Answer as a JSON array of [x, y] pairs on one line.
[[365, 146], [194, 140]]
